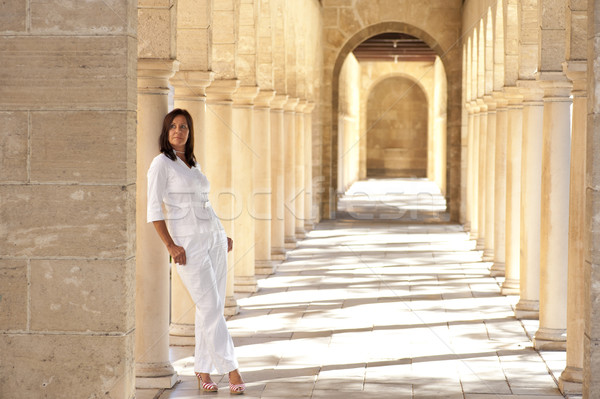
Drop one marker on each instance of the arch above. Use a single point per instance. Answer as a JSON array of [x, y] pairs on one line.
[[450, 60], [499, 46]]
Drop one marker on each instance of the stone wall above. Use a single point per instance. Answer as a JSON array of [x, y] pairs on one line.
[[67, 198]]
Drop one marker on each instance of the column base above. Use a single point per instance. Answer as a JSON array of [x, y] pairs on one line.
[[245, 284], [300, 233], [498, 269], [480, 243], [182, 334], [527, 310], [550, 339], [510, 287], [309, 226], [155, 375], [231, 306], [467, 226], [290, 242], [488, 255], [278, 254], [266, 267], [571, 381], [472, 235]]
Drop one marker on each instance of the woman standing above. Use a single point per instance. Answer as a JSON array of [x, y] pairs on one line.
[[197, 243]]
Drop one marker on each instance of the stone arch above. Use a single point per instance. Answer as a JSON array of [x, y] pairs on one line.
[[450, 58]]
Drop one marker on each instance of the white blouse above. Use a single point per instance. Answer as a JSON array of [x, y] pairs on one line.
[[183, 192]]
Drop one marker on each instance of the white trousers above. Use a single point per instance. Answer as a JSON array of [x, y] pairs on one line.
[[205, 276]]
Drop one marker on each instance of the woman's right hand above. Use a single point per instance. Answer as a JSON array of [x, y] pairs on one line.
[[177, 253]]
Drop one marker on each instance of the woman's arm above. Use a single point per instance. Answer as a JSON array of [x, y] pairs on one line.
[[176, 252]]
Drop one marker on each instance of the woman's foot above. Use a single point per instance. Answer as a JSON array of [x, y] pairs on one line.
[[205, 383], [236, 383]]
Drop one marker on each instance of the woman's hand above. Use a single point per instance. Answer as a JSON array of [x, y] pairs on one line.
[[229, 244], [177, 253]]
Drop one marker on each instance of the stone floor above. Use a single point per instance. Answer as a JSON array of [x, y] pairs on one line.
[[387, 301]]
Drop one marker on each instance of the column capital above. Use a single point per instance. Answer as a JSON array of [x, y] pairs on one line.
[[310, 106], [290, 105], [576, 72], [264, 98], [191, 85], [481, 104], [221, 90], [490, 102], [278, 101], [301, 105], [500, 99], [531, 91], [556, 86], [473, 106], [244, 96], [514, 96], [153, 75]]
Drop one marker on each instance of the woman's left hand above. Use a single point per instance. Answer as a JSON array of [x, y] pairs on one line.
[[229, 244]]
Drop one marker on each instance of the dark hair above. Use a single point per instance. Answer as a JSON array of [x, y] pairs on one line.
[[163, 141]]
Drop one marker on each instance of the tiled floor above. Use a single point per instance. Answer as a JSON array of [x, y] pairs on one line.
[[388, 301]]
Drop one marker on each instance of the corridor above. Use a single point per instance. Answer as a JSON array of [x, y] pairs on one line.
[[387, 301]]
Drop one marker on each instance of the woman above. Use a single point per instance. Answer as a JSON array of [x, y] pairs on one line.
[[197, 243]]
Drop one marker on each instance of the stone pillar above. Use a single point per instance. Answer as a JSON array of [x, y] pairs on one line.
[[469, 182], [490, 163], [218, 167], [189, 93], [531, 186], [309, 220], [278, 250], [261, 143], [243, 177], [497, 268], [474, 232], [481, 191], [289, 130], [299, 191], [153, 368], [513, 191], [554, 238], [571, 379]]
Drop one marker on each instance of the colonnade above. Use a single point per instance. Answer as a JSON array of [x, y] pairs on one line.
[[526, 153]]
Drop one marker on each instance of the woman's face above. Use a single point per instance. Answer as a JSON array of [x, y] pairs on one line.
[[178, 133]]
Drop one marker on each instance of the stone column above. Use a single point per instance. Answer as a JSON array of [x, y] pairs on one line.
[[474, 232], [490, 163], [218, 167], [497, 268], [261, 143], [469, 199], [289, 134], [278, 250], [309, 220], [243, 178], [153, 368], [513, 190], [531, 186], [571, 379], [481, 191], [299, 191], [190, 94], [554, 238]]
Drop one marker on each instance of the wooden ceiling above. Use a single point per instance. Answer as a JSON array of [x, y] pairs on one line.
[[394, 47]]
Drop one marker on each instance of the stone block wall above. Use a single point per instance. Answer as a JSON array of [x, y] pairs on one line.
[[67, 195]]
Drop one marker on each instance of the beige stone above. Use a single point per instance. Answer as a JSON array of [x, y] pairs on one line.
[[95, 221], [82, 295], [553, 14], [330, 17], [14, 16], [192, 49], [193, 14], [84, 18], [553, 50], [246, 40], [82, 146], [50, 72], [223, 56], [348, 21], [78, 366], [14, 132], [223, 5], [13, 297], [223, 27], [154, 33]]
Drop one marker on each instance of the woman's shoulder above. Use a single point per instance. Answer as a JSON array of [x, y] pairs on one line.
[[160, 161]]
